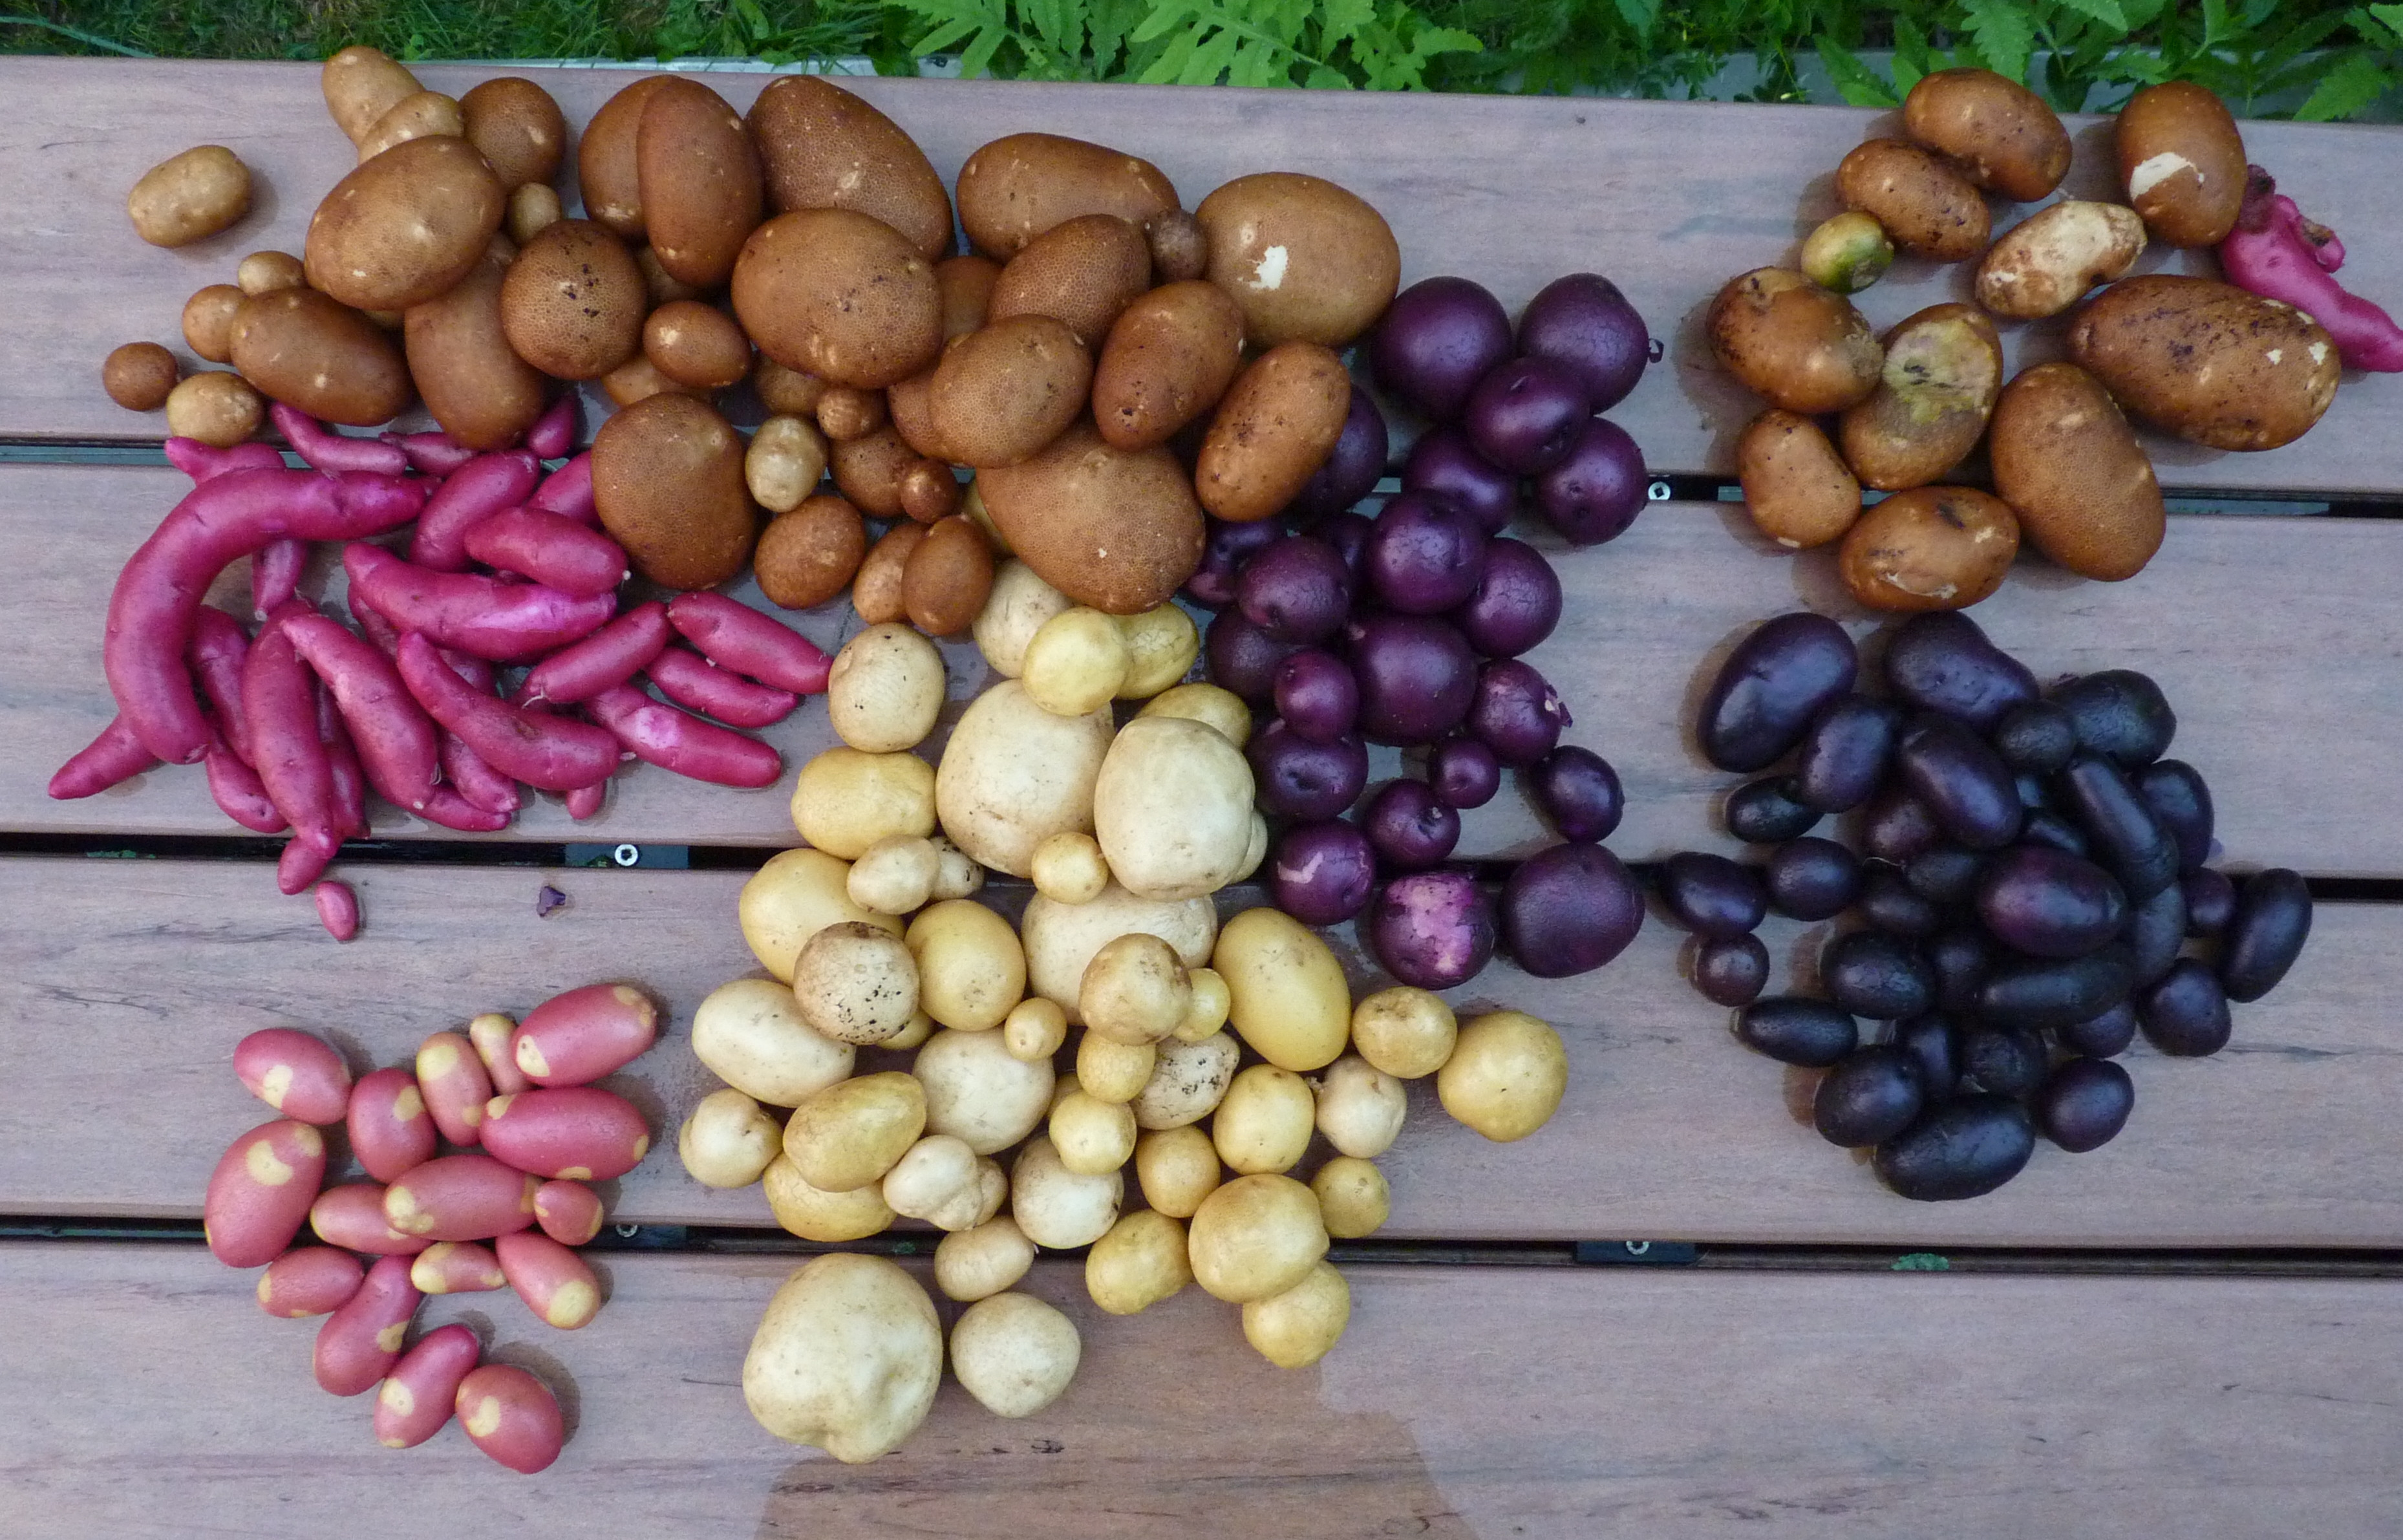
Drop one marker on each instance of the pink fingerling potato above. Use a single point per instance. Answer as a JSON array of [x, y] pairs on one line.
[[550, 547], [574, 1039], [486, 616], [492, 1034], [115, 756], [460, 1198], [299, 1075], [338, 909], [511, 1416], [418, 1396], [311, 1281], [360, 1342], [456, 1267], [693, 681], [568, 491], [552, 752], [577, 1132], [733, 635], [352, 1216], [390, 1132], [568, 1211], [553, 433], [455, 1085], [680, 741], [609, 657], [553, 1281], [259, 1194], [586, 802], [479, 490]]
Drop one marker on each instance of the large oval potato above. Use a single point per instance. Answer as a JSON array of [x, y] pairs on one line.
[[1286, 990], [698, 181], [1062, 938], [822, 147], [845, 800], [842, 296], [362, 84], [1172, 808], [1084, 271], [1169, 358], [477, 388], [1797, 488], [1929, 208], [1002, 394], [965, 284], [750, 1034], [1274, 428], [572, 302], [1943, 369], [1306, 260], [606, 167], [850, 1135], [2045, 264], [2182, 162], [307, 350], [1111, 529], [2070, 466], [2000, 133], [190, 197], [1792, 343], [1015, 189], [847, 1358], [517, 128], [667, 479], [1929, 549], [2207, 361], [1013, 774], [404, 227]]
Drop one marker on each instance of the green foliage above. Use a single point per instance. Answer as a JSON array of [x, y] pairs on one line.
[[1327, 43]]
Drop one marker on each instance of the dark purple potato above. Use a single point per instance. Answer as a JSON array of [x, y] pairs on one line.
[[1712, 895], [1212, 583], [2123, 837], [2050, 829], [2210, 901], [1962, 958], [2048, 996], [1517, 603], [2181, 804], [1569, 909], [1524, 414], [1322, 873], [2154, 933], [1597, 489], [2033, 792], [2085, 1103], [2007, 1061], [1444, 461], [1812, 879], [1899, 826], [1437, 338], [1881, 977], [1242, 658], [1296, 777], [1794, 1029], [1463, 772], [1731, 970], [1867, 1097], [1577, 790], [1316, 696], [1410, 827], [1296, 590], [2185, 1012], [1348, 532], [1945, 875], [1425, 556], [2121, 714], [2034, 738], [1941, 661], [1844, 753], [2048, 904], [1767, 813], [2104, 1036], [1964, 1148], [1516, 714], [1355, 467], [1963, 780], [1775, 681], [1890, 904], [1223, 555], [1416, 676], [2265, 933], [1934, 1044], [1432, 930], [1583, 321]]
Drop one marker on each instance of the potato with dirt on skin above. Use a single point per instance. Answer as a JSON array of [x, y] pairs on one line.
[[2045, 264], [138, 376], [309, 351], [841, 296], [971, 968], [404, 227], [846, 1358], [1929, 549], [822, 147], [1797, 488], [1143, 1261], [2182, 162], [727, 1141], [190, 197], [1506, 1076], [1305, 259], [798, 893], [1273, 429], [1173, 809], [782, 466], [1255, 1237], [1298, 1328], [750, 1034], [1015, 189], [1169, 358], [667, 480], [1943, 370], [2208, 361], [885, 689], [1360, 1107], [856, 983], [573, 303], [2070, 468], [1062, 938], [2000, 133], [1792, 343], [478, 390], [1013, 774], [1001, 394], [1115, 529], [876, 588], [1188, 1081], [1929, 208], [1083, 272], [806, 556], [217, 409], [207, 321], [978, 1090]]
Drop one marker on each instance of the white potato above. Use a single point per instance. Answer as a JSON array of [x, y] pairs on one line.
[[971, 969], [894, 876], [1176, 1169], [931, 1177], [1265, 1120], [1141, 1262], [728, 1141], [1013, 774], [787, 458], [856, 983], [846, 1358], [1069, 868], [1360, 1107], [848, 1136], [1296, 1328], [1134, 990], [845, 800], [1172, 808], [974, 1264], [885, 689], [1015, 610], [1014, 1353], [1062, 938], [751, 1035], [1060, 1207], [1188, 1081], [979, 1091], [955, 875], [798, 893]]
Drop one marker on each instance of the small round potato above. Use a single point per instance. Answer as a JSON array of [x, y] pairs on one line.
[[921, 1027], [806, 556], [573, 302], [139, 377], [930, 493], [1094, 1137], [885, 691], [955, 875], [1113, 1071], [2000, 133], [1930, 548], [1017, 607], [696, 344], [219, 410], [977, 1089], [1035, 1030], [1255, 1237], [1187, 1081], [1214, 705], [208, 321], [534, 208], [1069, 868], [975, 1264], [1360, 1107], [1286, 993], [1792, 343], [1208, 1012], [787, 393], [1797, 488], [1505, 1077], [638, 379], [813, 1213], [893, 876], [1179, 249], [1075, 663], [1162, 644], [1177, 1169], [845, 800], [798, 893], [265, 272], [1929, 208], [1142, 1261], [1846, 253], [1062, 938], [1296, 1329], [190, 197], [2049, 262], [1134, 990], [729, 1140], [1057, 1207], [750, 1034], [1014, 1353], [1265, 1122], [1354, 1197], [849, 1135], [856, 983], [932, 1181], [1405, 1032], [971, 968], [844, 413]]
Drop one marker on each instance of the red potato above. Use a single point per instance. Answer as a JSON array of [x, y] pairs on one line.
[[584, 802], [568, 492], [456, 1267], [455, 1085], [237, 791], [474, 778], [279, 703], [432, 453], [460, 1198], [483, 617], [275, 574], [219, 648], [574, 1039], [475, 491], [692, 681], [553, 433], [553, 753], [455, 812], [299, 1075], [351, 1216], [579, 1133], [342, 761], [734, 635], [395, 737], [511, 1416], [568, 1211], [492, 1034], [301, 864], [116, 755], [203, 461], [555, 1283], [338, 909], [675, 740], [550, 549], [259, 1195], [360, 1342], [390, 1132], [374, 627], [609, 657], [420, 1394], [329, 451], [311, 1281]]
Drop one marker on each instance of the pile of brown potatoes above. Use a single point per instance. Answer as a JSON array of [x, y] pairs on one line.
[[2191, 357]]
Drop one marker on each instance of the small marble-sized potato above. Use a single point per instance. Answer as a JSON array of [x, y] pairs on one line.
[[798, 893], [1273, 429], [935, 1180], [1014, 1353], [844, 800], [857, 984], [2182, 162], [190, 197], [1288, 998], [847, 413], [1161, 644], [404, 227], [1213, 705], [876, 588], [1943, 370], [1306, 260], [813, 1213], [1929, 549], [1169, 358], [265, 272], [1015, 189], [1929, 208], [2207, 361], [1134, 990], [1406, 1032], [885, 691], [1792, 343], [1115, 1071], [1208, 1012], [696, 344], [948, 577], [1177, 1168], [572, 302], [1360, 1107], [519, 128], [787, 393], [1094, 1137], [1000, 394], [840, 295], [1797, 488], [977, 1263], [822, 147], [1069, 868], [1256, 1236], [457, 348], [783, 464], [1845, 253], [2001, 134], [2069, 465], [1354, 1197], [1076, 662], [1180, 249], [417, 115], [729, 1140], [868, 470], [1265, 1121], [1506, 1076], [301, 348], [1035, 1030], [1082, 272], [2048, 262], [971, 968], [208, 321], [1059, 1209], [1062, 938], [534, 208], [1188, 1081], [980, 1091], [1017, 607], [138, 376], [1173, 809], [1298, 1328], [895, 875], [1143, 1261], [219, 410], [849, 1135]]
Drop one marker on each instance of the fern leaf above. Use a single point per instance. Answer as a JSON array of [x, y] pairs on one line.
[[1855, 82], [1159, 23], [1169, 67], [2107, 12], [1643, 15], [2004, 35], [2357, 81]]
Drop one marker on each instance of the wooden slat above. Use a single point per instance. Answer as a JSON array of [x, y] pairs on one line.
[[146, 1396], [126, 985], [1669, 199]]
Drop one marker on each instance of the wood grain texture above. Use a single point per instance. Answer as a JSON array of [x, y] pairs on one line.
[[127, 984], [1668, 199], [147, 1396]]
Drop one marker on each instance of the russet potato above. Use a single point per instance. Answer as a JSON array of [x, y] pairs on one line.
[[1305, 259], [2070, 466], [2208, 361], [1016, 188], [839, 295], [822, 147]]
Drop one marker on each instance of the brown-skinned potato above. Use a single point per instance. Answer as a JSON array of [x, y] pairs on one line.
[[1305, 259], [1014, 188], [406, 226], [1792, 343], [946, 579], [606, 168], [1930, 208], [1001, 394], [910, 405], [362, 84], [573, 302], [1169, 358], [839, 295], [876, 588], [416, 117], [667, 479], [1943, 368], [698, 181], [696, 344], [1116, 530], [2000, 133], [480, 391], [308, 351], [822, 147], [2207, 361], [2048, 262], [1929, 549], [966, 286], [1797, 488], [1084, 271], [1275, 426], [2070, 466], [868, 470], [2181, 163], [809, 555], [517, 128]]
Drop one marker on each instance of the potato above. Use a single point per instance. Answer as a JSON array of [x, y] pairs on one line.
[[138, 376], [2071, 469], [1296, 1329], [876, 587], [971, 968], [1211, 704], [822, 147], [1142, 1261], [667, 479], [1018, 605], [1034, 1029], [750, 1034], [573, 302], [1177, 1169], [1208, 1012], [2207, 361], [1059, 1208], [1929, 549], [361, 84], [417, 115], [789, 392], [1094, 1137], [841, 296], [477, 388], [533, 209], [607, 168], [1846, 252], [1002, 394], [2048, 263], [1062, 938], [1288, 996], [219, 410], [847, 413], [1256, 1236], [1353, 1197], [696, 344], [1015, 189], [1943, 370], [977, 1089], [518, 129], [885, 691], [930, 493], [1306, 260], [1792, 343], [847, 1357], [1188, 1081], [303, 349], [910, 405], [1264, 1123], [1275, 427], [1506, 1076], [948, 577], [1014, 1353], [1167, 358], [798, 893], [815, 1213], [844, 800], [2182, 162], [782, 467], [1083, 272], [404, 227], [806, 556], [1172, 808], [868, 470], [638, 379], [2001, 134], [208, 321], [265, 272], [698, 181], [1162, 644], [1117, 531], [1797, 488], [955, 875], [893, 876], [931, 1181], [1360, 1107], [1407, 1033], [1134, 990], [965, 284], [1930, 208], [921, 1027], [975, 1264], [190, 197], [1074, 663], [851, 1134], [1115, 1071], [1013, 774], [727, 1141]]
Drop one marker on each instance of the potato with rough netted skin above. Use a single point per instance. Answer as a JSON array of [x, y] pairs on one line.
[[1305, 259], [1273, 429], [517, 128], [2182, 162], [1169, 358], [698, 180], [403, 228], [1943, 369], [948, 577], [1929, 208], [190, 197], [477, 388], [361, 84], [1015, 189], [808, 553], [1120, 531], [696, 344], [1083, 272], [1792, 343], [1001, 394], [1797, 488], [138, 376], [846, 1358], [876, 587], [416, 116], [841, 296], [824, 147], [2000, 133], [667, 479], [573, 303], [1929, 549]]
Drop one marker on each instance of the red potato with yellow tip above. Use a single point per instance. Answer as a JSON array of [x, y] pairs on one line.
[[492, 1034], [418, 1396], [553, 1281], [576, 1132], [511, 1416], [576, 1038], [360, 1342], [299, 1075], [453, 1080], [390, 1132], [456, 1267], [311, 1281], [260, 1192], [460, 1198], [568, 1211], [351, 1216]]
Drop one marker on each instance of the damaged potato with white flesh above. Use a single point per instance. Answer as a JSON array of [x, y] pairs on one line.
[[1943, 369], [2048, 262]]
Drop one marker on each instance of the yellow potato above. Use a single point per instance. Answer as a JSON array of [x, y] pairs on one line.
[[1069, 868], [1035, 1030], [534, 208], [1212, 704], [727, 1141], [1162, 644], [1177, 1169], [1353, 1196], [815, 1213], [1208, 1012], [846, 1358], [1115, 1071], [1405, 1032], [895, 875], [219, 410], [845, 800], [856, 983], [1255, 1237], [1300, 1326], [1265, 1122], [1142, 1261], [798, 893], [750, 1034], [1076, 662], [1506, 1077], [1014, 1353], [849, 1135], [190, 197], [971, 969], [980, 1092], [1094, 1137], [1360, 1107], [785, 461], [975, 1264], [1287, 997], [1134, 990], [937, 1179]]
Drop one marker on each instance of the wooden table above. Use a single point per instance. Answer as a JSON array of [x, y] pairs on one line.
[[2194, 1331]]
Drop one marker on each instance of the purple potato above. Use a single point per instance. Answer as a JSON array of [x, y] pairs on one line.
[[1296, 590], [1316, 696], [2048, 996], [1348, 532], [1963, 780], [1934, 1044], [1892, 905], [1433, 930], [2154, 933], [2266, 934], [2125, 838], [1525, 415], [2085, 1103], [1867, 1097], [1583, 321], [1899, 826], [1794, 1029], [1228, 547], [2048, 904], [1570, 909], [2121, 714], [1878, 976], [1322, 873], [1767, 812], [1517, 602], [2007, 1061], [1436, 340], [1945, 875], [1410, 827], [1962, 1149], [1463, 772], [1771, 687], [2046, 827], [1962, 958], [1242, 658], [1941, 661], [1516, 714], [1732, 970], [1597, 487], [1416, 674], [2181, 804], [1444, 461], [1812, 879], [1578, 791], [2034, 737], [1426, 555], [2210, 901], [1298, 779], [1352, 471], [1712, 895], [1844, 753], [2185, 1011], [2104, 1036]]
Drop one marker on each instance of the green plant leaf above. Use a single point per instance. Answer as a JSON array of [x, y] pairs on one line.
[[1340, 20], [1855, 82], [2004, 35], [1643, 15], [2357, 81], [2107, 12], [1159, 23], [2388, 17]]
